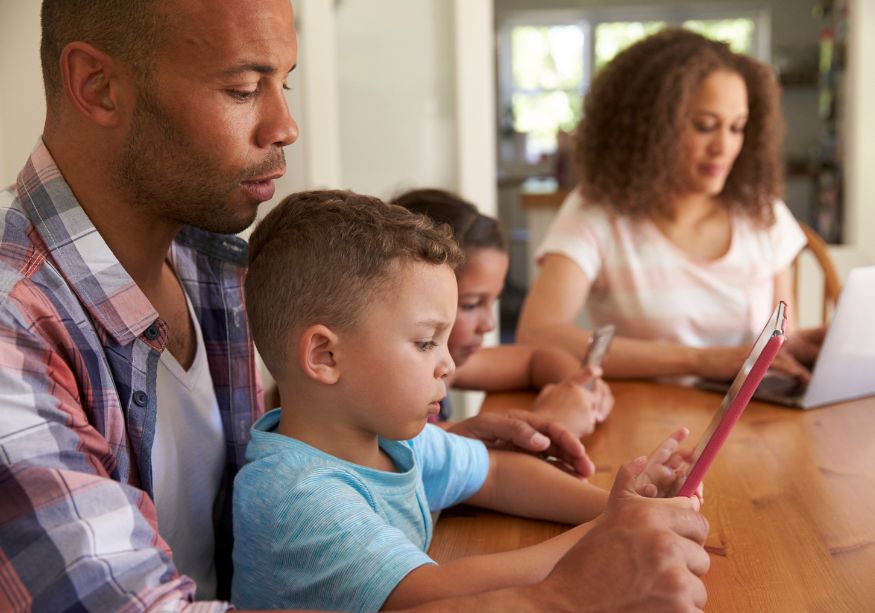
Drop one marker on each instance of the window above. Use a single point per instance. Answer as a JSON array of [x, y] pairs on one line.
[[546, 60]]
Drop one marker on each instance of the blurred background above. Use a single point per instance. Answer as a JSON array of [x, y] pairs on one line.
[[478, 96]]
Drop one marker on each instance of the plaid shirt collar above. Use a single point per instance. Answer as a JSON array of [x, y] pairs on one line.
[[83, 258]]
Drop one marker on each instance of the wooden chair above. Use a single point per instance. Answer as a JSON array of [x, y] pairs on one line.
[[832, 285]]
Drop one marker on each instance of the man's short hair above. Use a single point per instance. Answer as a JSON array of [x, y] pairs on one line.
[[322, 256], [129, 30]]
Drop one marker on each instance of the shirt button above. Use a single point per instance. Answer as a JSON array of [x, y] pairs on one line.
[[151, 332], [141, 398]]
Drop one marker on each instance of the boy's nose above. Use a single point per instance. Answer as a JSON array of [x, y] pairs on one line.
[[446, 367]]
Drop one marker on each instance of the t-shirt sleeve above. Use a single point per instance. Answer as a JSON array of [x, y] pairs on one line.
[[453, 467], [577, 233], [318, 544], [786, 237]]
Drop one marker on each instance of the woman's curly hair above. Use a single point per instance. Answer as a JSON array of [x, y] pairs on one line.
[[627, 145]]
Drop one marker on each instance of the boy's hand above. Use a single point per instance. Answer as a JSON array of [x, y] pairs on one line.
[[529, 432], [665, 467]]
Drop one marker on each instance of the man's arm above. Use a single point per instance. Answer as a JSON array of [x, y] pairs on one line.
[[529, 432], [642, 554], [69, 532]]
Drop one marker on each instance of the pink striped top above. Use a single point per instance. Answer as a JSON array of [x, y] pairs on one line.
[[652, 290]]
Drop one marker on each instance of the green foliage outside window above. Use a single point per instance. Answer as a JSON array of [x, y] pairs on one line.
[[548, 69]]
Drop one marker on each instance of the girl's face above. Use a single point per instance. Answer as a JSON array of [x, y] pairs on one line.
[[480, 284], [714, 132]]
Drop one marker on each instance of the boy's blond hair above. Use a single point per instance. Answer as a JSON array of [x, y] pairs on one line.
[[321, 257]]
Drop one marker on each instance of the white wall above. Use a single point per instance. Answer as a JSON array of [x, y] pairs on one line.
[[397, 95], [22, 105]]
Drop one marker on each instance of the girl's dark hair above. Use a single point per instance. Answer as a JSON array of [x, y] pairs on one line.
[[471, 228], [627, 147]]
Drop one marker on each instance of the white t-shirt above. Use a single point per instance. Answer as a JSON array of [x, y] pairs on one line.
[[188, 457], [652, 290]]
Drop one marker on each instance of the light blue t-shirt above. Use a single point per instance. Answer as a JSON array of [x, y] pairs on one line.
[[312, 531]]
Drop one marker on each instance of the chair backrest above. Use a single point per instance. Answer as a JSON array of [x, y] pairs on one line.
[[832, 285]]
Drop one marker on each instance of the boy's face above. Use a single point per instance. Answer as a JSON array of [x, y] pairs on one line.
[[394, 362]]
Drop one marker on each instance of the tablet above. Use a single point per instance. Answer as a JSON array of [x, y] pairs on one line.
[[736, 399]]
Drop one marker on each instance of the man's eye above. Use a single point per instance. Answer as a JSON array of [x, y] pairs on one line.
[[242, 95]]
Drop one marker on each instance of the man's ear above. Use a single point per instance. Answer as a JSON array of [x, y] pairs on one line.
[[93, 83], [316, 354]]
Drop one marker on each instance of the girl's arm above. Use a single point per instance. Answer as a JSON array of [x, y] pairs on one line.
[[510, 367]]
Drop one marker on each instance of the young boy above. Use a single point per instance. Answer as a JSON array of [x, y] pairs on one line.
[[351, 302]]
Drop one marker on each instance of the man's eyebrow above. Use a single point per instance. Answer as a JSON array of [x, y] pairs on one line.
[[264, 69]]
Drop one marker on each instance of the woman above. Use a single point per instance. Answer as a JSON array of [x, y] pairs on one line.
[[676, 233], [504, 367]]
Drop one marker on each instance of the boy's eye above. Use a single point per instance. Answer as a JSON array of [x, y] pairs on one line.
[[425, 345]]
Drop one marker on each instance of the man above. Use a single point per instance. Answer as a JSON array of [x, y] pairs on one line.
[[128, 380]]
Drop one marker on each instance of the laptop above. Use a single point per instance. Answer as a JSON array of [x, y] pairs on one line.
[[845, 367]]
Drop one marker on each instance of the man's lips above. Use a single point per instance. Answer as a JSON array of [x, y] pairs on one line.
[[262, 188], [273, 176]]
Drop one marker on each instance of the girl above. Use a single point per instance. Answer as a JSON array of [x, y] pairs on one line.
[[505, 367]]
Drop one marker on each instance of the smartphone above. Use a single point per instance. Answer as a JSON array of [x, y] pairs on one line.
[[598, 344], [736, 399], [597, 347]]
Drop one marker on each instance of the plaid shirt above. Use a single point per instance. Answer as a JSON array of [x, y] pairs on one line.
[[79, 349]]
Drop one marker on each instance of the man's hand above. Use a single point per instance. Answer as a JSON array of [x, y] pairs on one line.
[[529, 432], [570, 403], [642, 554]]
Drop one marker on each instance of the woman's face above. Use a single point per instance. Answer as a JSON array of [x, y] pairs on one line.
[[714, 132], [480, 284]]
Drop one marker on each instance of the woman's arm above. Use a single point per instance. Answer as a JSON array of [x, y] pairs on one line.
[[802, 346], [557, 298]]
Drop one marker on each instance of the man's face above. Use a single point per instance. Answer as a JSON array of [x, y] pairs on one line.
[[206, 138]]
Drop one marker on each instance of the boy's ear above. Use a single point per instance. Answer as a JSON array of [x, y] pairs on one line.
[[316, 354], [93, 83]]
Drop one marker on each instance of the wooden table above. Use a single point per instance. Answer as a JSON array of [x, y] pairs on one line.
[[790, 498]]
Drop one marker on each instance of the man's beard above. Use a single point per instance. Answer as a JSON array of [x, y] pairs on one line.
[[162, 172]]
